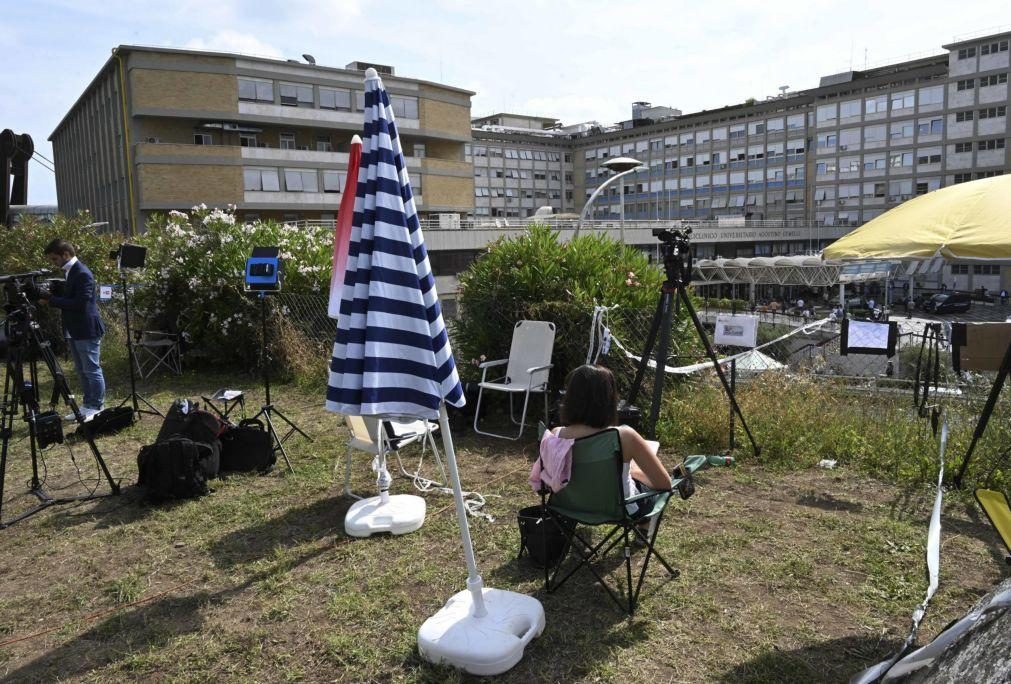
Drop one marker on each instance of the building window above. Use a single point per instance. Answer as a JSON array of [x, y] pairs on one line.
[[300, 180], [967, 84], [287, 141], [993, 112], [902, 129], [404, 107], [930, 127], [874, 162], [260, 179], [962, 178], [202, 139], [904, 100], [931, 156], [993, 80], [323, 143], [931, 95], [247, 140], [985, 269], [988, 174], [332, 182], [967, 53], [963, 147], [296, 95], [874, 134], [993, 48], [876, 105], [827, 112], [959, 269], [964, 116], [256, 90], [993, 144], [335, 98], [900, 159], [849, 109]]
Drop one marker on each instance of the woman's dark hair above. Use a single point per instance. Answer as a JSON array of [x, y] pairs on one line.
[[60, 246], [591, 397]]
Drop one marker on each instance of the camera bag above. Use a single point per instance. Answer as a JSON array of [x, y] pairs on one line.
[[173, 468], [246, 447]]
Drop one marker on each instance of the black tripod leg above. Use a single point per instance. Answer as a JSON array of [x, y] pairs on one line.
[[984, 417], [277, 440], [640, 372], [10, 409], [666, 311], [716, 366], [294, 428]]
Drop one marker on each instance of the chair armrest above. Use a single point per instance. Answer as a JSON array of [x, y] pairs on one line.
[[534, 369], [489, 364], [646, 495]]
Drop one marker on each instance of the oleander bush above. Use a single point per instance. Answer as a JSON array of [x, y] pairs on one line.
[[193, 281]]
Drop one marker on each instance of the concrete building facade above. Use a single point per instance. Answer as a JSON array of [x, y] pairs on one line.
[[162, 129]]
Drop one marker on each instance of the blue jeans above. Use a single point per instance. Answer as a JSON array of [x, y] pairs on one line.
[[88, 364]]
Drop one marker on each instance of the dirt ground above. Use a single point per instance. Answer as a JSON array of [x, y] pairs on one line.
[[785, 576]]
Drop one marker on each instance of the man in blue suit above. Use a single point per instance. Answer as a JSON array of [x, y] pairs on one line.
[[79, 303]]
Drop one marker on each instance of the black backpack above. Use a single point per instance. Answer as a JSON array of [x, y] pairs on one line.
[[246, 447], [176, 417], [173, 469], [108, 421]]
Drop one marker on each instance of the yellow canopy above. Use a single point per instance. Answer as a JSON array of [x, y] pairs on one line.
[[965, 221]]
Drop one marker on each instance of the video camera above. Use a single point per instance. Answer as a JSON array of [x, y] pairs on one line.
[[677, 254], [20, 288]]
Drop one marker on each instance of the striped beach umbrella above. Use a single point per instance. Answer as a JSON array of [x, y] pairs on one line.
[[392, 358], [391, 355]]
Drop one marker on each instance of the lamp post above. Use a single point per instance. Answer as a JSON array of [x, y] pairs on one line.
[[621, 166]]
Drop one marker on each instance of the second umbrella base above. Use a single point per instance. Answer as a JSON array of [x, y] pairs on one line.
[[400, 514]]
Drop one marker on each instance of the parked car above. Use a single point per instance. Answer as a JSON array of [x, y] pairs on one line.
[[948, 302]]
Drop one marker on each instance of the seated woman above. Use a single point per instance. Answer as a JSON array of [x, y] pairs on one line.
[[591, 405]]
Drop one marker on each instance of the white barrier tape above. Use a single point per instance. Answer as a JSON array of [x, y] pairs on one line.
[[883, 670]]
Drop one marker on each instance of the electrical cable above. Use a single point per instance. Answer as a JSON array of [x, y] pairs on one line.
[[47, 168]]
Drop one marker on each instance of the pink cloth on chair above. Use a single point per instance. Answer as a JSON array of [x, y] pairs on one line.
[[554, 467]]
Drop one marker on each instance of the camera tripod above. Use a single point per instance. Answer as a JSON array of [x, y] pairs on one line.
[[135, 396], [21, 391], [268, 410], [677, 263]]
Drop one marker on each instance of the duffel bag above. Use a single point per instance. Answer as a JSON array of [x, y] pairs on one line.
[[247, 446]]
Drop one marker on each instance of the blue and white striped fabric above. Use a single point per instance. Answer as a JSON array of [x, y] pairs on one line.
[[391, 356]]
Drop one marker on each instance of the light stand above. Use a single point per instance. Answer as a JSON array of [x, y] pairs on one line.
[[677, 262], [263, 276], [132, 256], [26, 346]]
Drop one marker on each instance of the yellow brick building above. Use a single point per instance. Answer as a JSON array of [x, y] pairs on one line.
[[162, 129]]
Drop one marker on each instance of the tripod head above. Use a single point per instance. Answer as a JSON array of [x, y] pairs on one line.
[[21, 291], [676, 253]]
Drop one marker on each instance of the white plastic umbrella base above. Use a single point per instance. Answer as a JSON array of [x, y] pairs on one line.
[[487, 645], [400, 514]]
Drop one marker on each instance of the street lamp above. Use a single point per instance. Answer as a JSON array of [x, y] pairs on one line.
[[621, 166]]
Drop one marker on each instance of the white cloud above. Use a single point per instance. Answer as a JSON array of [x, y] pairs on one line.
[[229, 40]]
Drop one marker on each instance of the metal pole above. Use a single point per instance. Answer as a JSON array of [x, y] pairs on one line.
[[600, 188], [621, 202]]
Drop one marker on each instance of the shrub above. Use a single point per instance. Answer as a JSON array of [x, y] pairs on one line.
[[21, 246], [194, 279], [537, 277]]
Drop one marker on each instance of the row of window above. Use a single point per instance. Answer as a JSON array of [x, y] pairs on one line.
[[520, 174], [509, 153], [984, 82], [895, 191], [901, 129], [987, 49], [985, 113], [322, 97], [267, 179], [992, 144], [511, 192]]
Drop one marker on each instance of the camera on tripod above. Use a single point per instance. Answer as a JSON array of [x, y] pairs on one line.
[[672, 235], [21, 288]]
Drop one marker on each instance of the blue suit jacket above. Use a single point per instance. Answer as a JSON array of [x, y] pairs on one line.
[[80, 304]]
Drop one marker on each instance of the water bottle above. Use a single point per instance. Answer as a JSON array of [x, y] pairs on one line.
[[715, 460]]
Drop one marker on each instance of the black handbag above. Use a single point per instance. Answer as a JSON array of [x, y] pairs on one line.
[[108, 421]]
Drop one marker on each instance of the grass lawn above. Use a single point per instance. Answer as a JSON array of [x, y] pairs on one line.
[[807, 575]]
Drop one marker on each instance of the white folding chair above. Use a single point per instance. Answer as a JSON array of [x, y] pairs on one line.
[[527, 370], [365, 436]]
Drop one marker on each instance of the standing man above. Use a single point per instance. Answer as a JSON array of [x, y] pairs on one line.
[[82, 322]]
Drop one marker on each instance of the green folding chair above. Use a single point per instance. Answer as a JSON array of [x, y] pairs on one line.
[[594, 496]]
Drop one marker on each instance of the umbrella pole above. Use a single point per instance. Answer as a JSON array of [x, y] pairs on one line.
[[474, 581]]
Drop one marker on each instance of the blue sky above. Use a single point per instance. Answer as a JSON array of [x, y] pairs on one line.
[[575, 60]]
